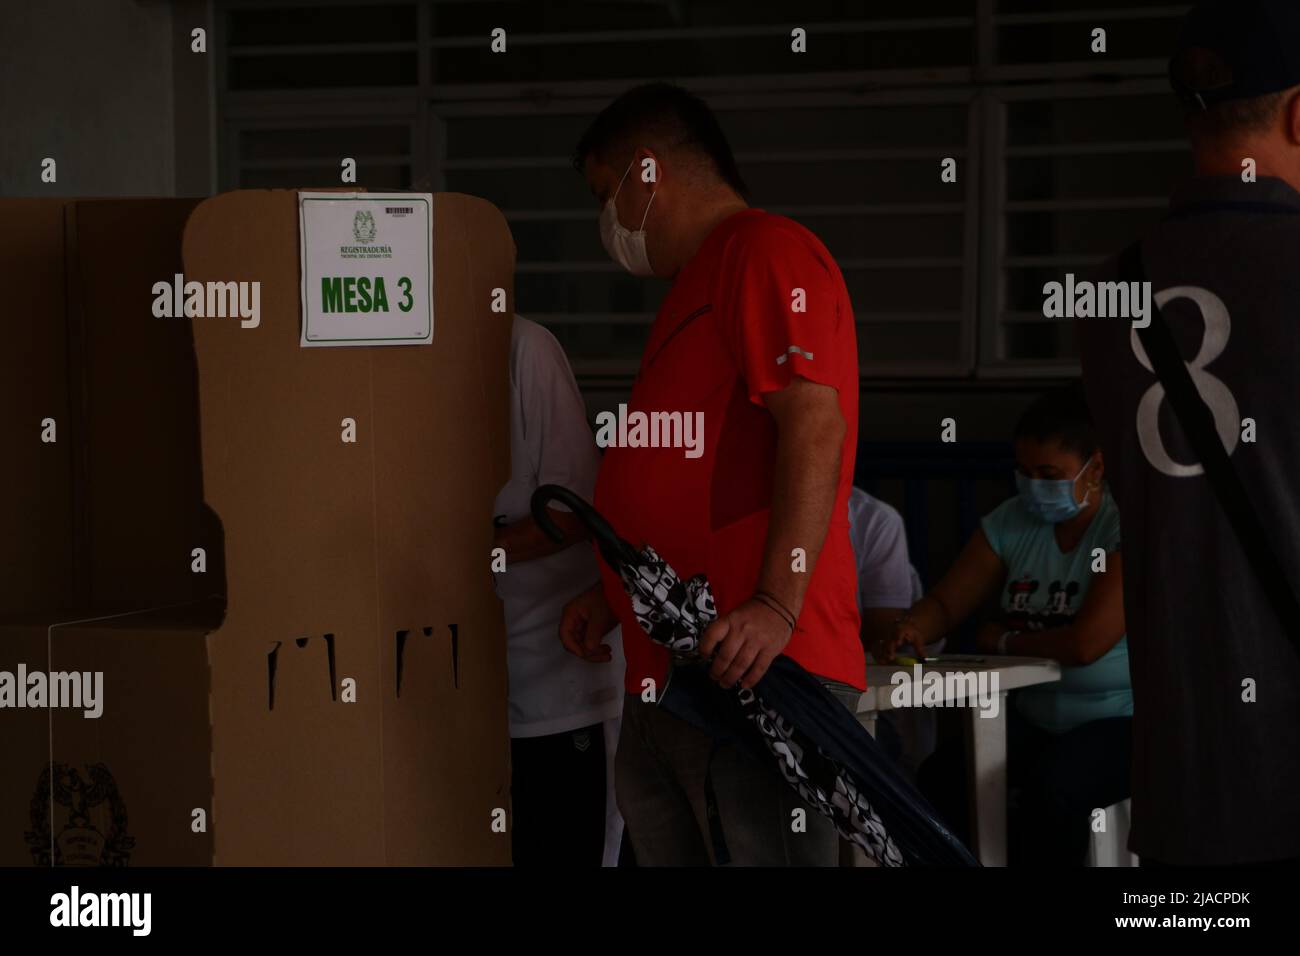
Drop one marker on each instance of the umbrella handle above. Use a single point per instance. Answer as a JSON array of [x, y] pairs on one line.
[[615, 550]]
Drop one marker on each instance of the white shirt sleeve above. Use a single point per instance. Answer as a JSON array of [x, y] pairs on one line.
[[885, 575], [558, 442]]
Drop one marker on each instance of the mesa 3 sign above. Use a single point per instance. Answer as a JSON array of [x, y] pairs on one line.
[[366, 268]]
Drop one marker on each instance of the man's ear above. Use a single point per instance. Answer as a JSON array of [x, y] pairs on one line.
[[1291, 114], [646, 167]]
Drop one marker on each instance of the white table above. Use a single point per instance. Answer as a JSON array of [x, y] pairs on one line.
[[986, 736]]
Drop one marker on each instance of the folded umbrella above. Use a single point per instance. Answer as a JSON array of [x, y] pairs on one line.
[[822, 751]]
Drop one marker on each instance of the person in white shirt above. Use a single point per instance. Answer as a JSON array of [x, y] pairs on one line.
[[887, 583], [887, 586], [564, 711]]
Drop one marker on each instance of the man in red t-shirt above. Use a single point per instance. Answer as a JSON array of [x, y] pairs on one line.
[[754, 351]]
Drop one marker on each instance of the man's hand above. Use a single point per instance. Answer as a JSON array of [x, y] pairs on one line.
[[524, 540], [584, 621], [746, 641]]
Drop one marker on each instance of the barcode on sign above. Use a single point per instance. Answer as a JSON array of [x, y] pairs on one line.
[[399, 210]]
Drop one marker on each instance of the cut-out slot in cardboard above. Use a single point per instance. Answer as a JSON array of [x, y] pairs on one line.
[[401, 651], [455, 656], [401, 639], [329, 651], [272, 658], [273, 661]]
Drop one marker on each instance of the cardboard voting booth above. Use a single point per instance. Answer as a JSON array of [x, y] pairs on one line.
[[330, 686]]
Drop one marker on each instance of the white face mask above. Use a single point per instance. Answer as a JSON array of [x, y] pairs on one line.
[[624, 246]]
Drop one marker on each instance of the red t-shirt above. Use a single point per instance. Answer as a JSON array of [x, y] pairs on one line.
[[727, 333]]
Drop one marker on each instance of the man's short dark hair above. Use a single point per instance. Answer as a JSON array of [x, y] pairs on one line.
[[664, 117], [1199, 69], [1060, 416]]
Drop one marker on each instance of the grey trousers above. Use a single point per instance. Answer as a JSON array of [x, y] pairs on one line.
[[660, 772]]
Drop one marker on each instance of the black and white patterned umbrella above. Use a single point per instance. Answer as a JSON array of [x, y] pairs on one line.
[[820, 748]]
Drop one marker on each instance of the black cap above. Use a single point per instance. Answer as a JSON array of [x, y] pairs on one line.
[[1236, 50]]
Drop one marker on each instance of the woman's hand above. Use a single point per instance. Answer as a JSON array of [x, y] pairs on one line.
[[986, 638], [885, 650]]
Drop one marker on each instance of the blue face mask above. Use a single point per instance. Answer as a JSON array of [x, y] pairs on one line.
[[1051, 500]]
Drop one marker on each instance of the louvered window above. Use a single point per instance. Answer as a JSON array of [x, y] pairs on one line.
[[1062, 154]]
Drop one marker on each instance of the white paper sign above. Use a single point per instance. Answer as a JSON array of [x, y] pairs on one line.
[[367, 268]]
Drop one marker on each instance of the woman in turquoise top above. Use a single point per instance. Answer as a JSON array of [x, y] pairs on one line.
[[1052, 555]]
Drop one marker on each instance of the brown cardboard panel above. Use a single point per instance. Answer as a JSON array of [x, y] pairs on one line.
[[446, 411], [128, 782], [303, 781], [298, 783], [418, 764], [446, 754], [139, 406], [486, 230], [481, 739], [296, 502], [36, 480], [24, 755], [355, 540], [443, 452]]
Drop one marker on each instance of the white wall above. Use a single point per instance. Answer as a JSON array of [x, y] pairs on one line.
[[92, 84]]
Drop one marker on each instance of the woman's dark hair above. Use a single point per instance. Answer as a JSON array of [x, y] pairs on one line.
[[1060, 416], [664, 116]]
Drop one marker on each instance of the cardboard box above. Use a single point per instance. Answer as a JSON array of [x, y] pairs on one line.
[[126, 784], [114, 506], [138, 447], [354, 693], [36, 523]]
